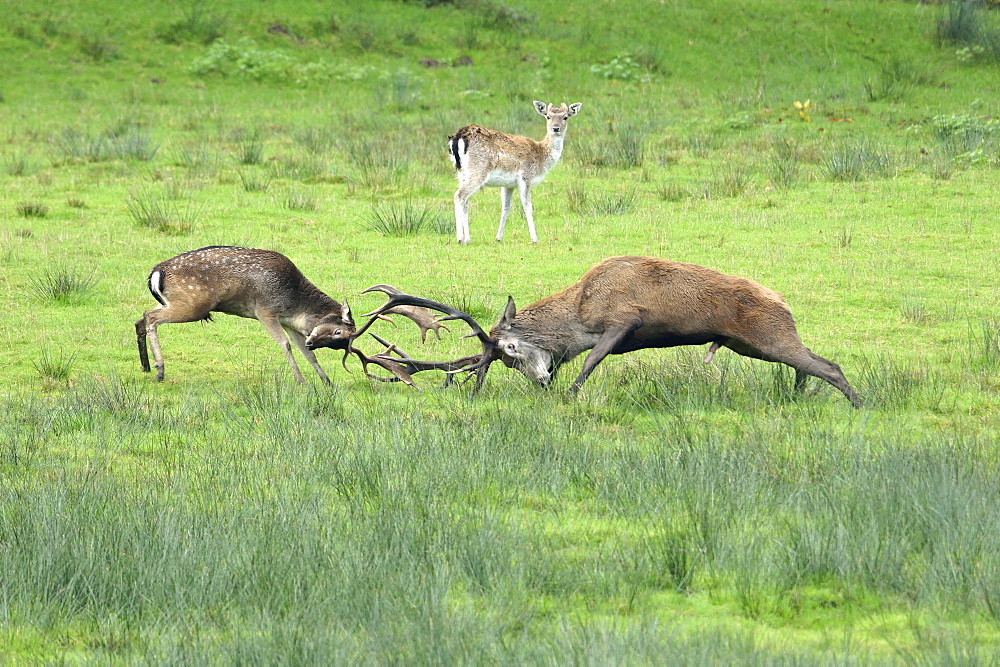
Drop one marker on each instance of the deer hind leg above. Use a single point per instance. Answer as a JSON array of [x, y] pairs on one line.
[[140, 339], [805, 363], [468, 185], [524, 189], [273, 327], [506, 198], [146, 327], [300, 342]]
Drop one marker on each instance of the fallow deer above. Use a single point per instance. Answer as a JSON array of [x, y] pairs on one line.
[[260, 284], [624, 304], [489, 158]]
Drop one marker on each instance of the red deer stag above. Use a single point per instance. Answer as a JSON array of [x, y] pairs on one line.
[[632, 303], [259, 284]]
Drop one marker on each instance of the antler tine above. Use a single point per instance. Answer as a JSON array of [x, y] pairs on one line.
[[398, 298]]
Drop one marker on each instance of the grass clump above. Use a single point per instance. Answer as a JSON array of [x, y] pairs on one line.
[[32, 209], [159, 212], [859, 161], [301, 200], [56, 366], [401, 218], [63, 285]]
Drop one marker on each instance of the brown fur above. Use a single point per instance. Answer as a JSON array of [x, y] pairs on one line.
[[246, 282], [631, 303]]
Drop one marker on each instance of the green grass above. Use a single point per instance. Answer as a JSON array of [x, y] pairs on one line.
[[703, 512]]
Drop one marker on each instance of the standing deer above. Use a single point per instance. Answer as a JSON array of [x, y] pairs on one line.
[[489, 158], [259, 284], [632, 303]]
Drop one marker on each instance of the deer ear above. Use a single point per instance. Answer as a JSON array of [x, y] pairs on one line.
[[508, 314], [345, 314], [574, 109], [541, 107]]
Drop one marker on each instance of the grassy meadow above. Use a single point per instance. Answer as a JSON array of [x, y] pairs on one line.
[[844, 153]]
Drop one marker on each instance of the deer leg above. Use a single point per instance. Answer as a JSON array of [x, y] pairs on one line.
[[300, 342], [466, 189], [605, 345], [275, 330], [524, 189], [805, 363], [506, 198], [140, 338]]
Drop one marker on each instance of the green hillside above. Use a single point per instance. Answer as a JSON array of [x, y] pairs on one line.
[[843, 153]]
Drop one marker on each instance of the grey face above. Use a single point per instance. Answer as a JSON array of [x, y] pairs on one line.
[[535, 362]]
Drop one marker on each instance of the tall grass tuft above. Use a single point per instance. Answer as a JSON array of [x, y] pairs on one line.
[[582, 201], [55, 367], [63, 284], [379, 162], [893, 80], [253, 180], [967, 22], [396, 218], [32, 209], [785, 165], [159, 212], [301, 200], [984, 344], [249, 146], [859, 161]]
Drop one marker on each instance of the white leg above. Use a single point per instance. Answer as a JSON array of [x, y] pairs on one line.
[[466, 189], [300, 342], [524, 189], [506, 197]]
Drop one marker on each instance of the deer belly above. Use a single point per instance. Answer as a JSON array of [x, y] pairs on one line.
[[499, 178]]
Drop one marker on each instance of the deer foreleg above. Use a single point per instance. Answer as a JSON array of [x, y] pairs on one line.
[[605, 345], [300, 342], [275, 330], [524, 189], [506, 198]]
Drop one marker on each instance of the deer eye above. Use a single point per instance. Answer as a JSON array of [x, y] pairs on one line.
[[337, 332]]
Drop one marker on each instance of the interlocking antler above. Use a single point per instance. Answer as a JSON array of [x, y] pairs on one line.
[[403, 366]]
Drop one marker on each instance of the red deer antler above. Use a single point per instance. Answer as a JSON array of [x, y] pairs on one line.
[[404, 366]]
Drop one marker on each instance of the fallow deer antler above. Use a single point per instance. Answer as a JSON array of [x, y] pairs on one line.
[[404, 366]]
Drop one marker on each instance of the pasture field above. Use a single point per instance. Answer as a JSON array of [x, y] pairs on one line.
[[844, 153]]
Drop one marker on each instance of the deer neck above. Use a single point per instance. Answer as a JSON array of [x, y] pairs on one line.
[[553, 144]]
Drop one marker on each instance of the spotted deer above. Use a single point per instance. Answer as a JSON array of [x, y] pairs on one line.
[[489, 158], [247, 282]]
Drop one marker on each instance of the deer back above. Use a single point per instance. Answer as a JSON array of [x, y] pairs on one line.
[[673, 298], [238, 281]]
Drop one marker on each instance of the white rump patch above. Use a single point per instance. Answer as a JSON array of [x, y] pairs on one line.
[[156, 284]]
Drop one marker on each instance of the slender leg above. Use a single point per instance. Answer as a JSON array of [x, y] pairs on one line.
[[275, 330], [140, 338], [506, 197], [524, 189], [608, 341], [154, 342], [466, 189], [300, 342]]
